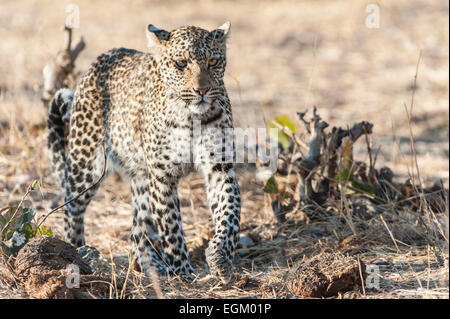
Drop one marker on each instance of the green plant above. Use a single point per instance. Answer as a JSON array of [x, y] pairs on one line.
[[17, 225], [287, 126]]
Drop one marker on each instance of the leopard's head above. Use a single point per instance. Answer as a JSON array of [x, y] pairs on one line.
[[191, 62]]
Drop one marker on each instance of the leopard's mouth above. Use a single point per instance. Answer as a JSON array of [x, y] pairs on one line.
[[206, 112], [199, 108]]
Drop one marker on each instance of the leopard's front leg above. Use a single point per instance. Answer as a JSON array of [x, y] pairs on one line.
[[225, 203], [157, 236]]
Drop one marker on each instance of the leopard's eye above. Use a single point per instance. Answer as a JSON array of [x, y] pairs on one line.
[[213, 62], [181, 64]]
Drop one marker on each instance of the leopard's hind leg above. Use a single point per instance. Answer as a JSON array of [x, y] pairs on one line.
[[83, 177], [85, 164]]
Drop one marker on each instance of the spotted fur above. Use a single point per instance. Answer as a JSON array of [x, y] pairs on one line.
[[140, 110]]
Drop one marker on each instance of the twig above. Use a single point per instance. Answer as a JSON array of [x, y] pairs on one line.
[[361, 276], [345, 212], [390, 234], [124, 287], [113, 283], [301, 117], [409, 116], [371, 163]]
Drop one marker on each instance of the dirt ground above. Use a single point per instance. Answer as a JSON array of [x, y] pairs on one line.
[[283, 57]]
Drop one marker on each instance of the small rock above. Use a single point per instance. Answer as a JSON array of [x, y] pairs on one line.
[[245, 241], [325, 275], [42, 268], [89, 255]]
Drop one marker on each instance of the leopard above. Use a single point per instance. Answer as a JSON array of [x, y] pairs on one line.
[[157, 116]]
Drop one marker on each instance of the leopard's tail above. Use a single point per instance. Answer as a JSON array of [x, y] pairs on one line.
[[58, 116]]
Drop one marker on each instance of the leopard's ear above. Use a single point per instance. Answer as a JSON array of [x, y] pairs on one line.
[[156, 38], [222, 33]]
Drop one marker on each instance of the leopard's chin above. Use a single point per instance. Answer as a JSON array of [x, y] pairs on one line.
[[200, 108]]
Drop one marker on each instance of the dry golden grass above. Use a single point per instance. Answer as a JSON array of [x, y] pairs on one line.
[[284, 56]]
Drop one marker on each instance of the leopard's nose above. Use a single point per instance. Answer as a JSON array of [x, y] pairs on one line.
[[202, 91]]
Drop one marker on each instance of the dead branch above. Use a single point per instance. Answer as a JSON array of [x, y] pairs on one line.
[[336, 140], [312, 160], [58, 72], [310, 179], [68, 38], [78, 48]]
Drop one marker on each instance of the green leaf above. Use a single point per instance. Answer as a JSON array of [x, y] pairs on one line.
[[3, 221], [28, 231], [35, 184], [44, 231], [271, 186], [8, 234], [282, 137], [363, 186], [284, 120], [343, 175], [28, 215]]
